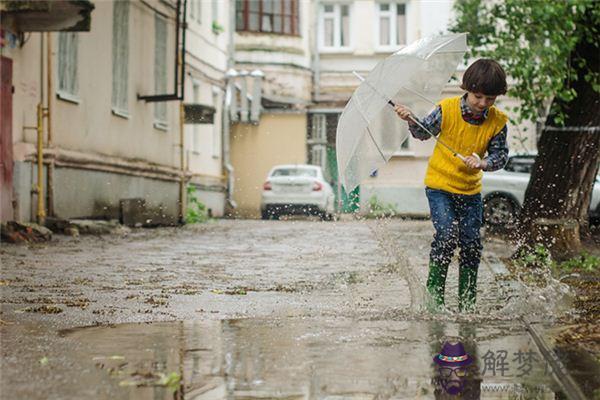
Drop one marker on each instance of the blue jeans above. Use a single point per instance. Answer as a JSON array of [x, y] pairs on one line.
[[457, 219]]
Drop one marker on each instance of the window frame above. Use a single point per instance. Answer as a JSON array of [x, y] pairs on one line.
[[337, 26], [294, 17], [120, 60], [393, 12], [196, 127], [160, 82], [67, 87], [196, 11], [216, 132], [405, 148], [318, 140]]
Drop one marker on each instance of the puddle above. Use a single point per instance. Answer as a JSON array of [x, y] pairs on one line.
[[308, 359]]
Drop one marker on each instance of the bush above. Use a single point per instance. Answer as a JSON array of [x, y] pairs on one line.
[[379, 209], [536, 257], [196, 210], [584, 262], [539, 257]]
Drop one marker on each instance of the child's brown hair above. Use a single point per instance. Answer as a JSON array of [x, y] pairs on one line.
[[485, 76]]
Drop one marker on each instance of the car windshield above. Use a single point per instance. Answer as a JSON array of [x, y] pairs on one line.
[[520, 164], [310, 172]]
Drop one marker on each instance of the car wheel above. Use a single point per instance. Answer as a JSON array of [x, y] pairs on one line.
[[264, 214], [325, 216], [500, 211]]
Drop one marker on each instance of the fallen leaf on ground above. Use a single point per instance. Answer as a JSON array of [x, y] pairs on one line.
[[45, 309]]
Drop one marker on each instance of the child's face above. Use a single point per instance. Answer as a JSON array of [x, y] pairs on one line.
[[478, 102]]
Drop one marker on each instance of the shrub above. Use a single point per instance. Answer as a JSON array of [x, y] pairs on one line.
[[196, 210]]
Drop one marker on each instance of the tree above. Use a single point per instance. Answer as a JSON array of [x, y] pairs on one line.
[[551, 53]]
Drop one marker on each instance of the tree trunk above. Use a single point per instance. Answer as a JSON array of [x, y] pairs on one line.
[[557, 199]]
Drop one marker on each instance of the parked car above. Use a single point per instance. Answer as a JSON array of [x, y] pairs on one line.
[[503, 191], [297, 189]]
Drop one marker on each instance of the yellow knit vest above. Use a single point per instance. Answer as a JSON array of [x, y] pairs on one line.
[[447, 172]]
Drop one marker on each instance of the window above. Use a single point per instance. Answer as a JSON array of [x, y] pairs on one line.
[[318, 141], [309, 172], [196, 127], [196, 10], [335, 26], [68, 85], [406, 144], [216, 150], [391, 23], [319, 129], [522, 164], [215, 10], [160, 70], [270, 16], [120, 57]]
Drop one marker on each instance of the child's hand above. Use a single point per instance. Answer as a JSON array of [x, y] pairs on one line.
[[475, 162], [403, 112]]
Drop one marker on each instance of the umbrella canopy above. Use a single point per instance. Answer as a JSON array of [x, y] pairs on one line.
[[369, 131]]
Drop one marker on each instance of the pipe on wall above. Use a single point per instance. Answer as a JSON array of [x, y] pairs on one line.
[[49, 137], [182, 180], [41, 212], [227, 102], [39, 187]]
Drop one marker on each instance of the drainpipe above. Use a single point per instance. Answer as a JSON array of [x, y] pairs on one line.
[[39, 189], [182, 189], [41, 213], [49, 77], [228, 101], [244, 96], [234, 115], [257, 77]]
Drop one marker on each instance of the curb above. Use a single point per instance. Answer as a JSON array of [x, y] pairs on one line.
[[560, 373]]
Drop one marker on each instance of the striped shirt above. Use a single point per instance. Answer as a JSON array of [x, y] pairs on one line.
[[497, 148]]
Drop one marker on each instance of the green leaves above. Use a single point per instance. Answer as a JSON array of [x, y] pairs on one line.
[[535, 42], [196, 210]]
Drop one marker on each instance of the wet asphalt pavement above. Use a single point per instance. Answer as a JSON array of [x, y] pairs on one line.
[[259, 309]]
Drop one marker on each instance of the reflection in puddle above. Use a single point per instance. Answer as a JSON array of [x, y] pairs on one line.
[[311, 359]]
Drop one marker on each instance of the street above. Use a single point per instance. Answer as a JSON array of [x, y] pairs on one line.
[[255, 309]]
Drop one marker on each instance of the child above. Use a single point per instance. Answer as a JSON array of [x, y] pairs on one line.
[[468, 124]]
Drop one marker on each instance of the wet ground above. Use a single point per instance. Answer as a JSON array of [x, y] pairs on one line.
[[264, 309]]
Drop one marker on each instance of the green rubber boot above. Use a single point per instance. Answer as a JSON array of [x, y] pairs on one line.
[[436, 284], [467, 289]]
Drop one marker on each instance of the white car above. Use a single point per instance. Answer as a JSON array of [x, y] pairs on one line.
[[297, 189], [503, 191]]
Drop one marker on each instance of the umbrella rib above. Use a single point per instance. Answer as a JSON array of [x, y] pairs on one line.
[[420, 95], [367, 121], [375, 143]]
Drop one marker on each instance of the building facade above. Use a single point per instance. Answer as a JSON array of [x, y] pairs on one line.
[[272, 40], [139, 107], [114, 142], [207, 47]]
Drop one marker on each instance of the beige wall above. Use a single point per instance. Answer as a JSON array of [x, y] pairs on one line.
[[100, 157], [278, 139], [88, 125], [206, 61]]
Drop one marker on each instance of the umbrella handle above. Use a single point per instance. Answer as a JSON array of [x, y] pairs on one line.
[[463, 158]]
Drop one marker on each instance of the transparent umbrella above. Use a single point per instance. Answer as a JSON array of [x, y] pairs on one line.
[[369, 131]]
